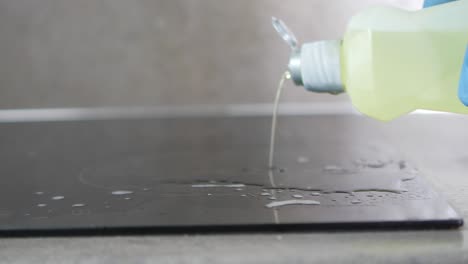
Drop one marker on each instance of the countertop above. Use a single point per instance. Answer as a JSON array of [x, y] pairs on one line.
[[434, 142]]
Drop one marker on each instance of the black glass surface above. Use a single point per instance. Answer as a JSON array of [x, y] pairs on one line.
[[211, 174]]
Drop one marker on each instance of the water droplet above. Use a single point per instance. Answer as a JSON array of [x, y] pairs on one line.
[[146, 189], [302, 159], [244, 195], [239, 189], [78, 205], [279, 190], [265, 194], [402, 164], [292, 202], [27, 214], [297, 196], [315, 194], [376, 165], [209, 194], [271, 198], [127, 198], [41, 205], [355, 201], [59, 197], [122, 192], [39, 193], [332, 168]]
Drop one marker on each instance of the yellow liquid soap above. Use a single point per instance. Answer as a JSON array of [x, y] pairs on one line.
[[274, 118], [271, 167]]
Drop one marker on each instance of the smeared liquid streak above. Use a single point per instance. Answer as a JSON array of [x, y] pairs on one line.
[[359, 182], [335, 179], [291, 202]]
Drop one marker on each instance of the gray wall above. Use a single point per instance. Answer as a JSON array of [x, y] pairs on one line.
[[80, 53]]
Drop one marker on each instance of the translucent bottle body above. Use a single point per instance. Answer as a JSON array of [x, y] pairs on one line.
[[395, 61]]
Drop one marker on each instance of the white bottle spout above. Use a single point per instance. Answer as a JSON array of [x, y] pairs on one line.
[[294, 66], [316, 66]]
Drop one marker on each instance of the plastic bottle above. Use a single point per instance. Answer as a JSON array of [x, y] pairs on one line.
[[390, 61]]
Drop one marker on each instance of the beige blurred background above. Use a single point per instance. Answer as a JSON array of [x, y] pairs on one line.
[[97, 53]]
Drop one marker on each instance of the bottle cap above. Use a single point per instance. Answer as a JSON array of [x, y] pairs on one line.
[[317, 66]]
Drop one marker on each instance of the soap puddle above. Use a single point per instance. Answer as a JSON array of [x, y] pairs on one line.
[[213, 185], [291, 202], [121, 192], [298, 196]]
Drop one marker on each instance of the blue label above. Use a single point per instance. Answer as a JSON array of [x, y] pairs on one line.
[[463, 88], [429, 3]]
